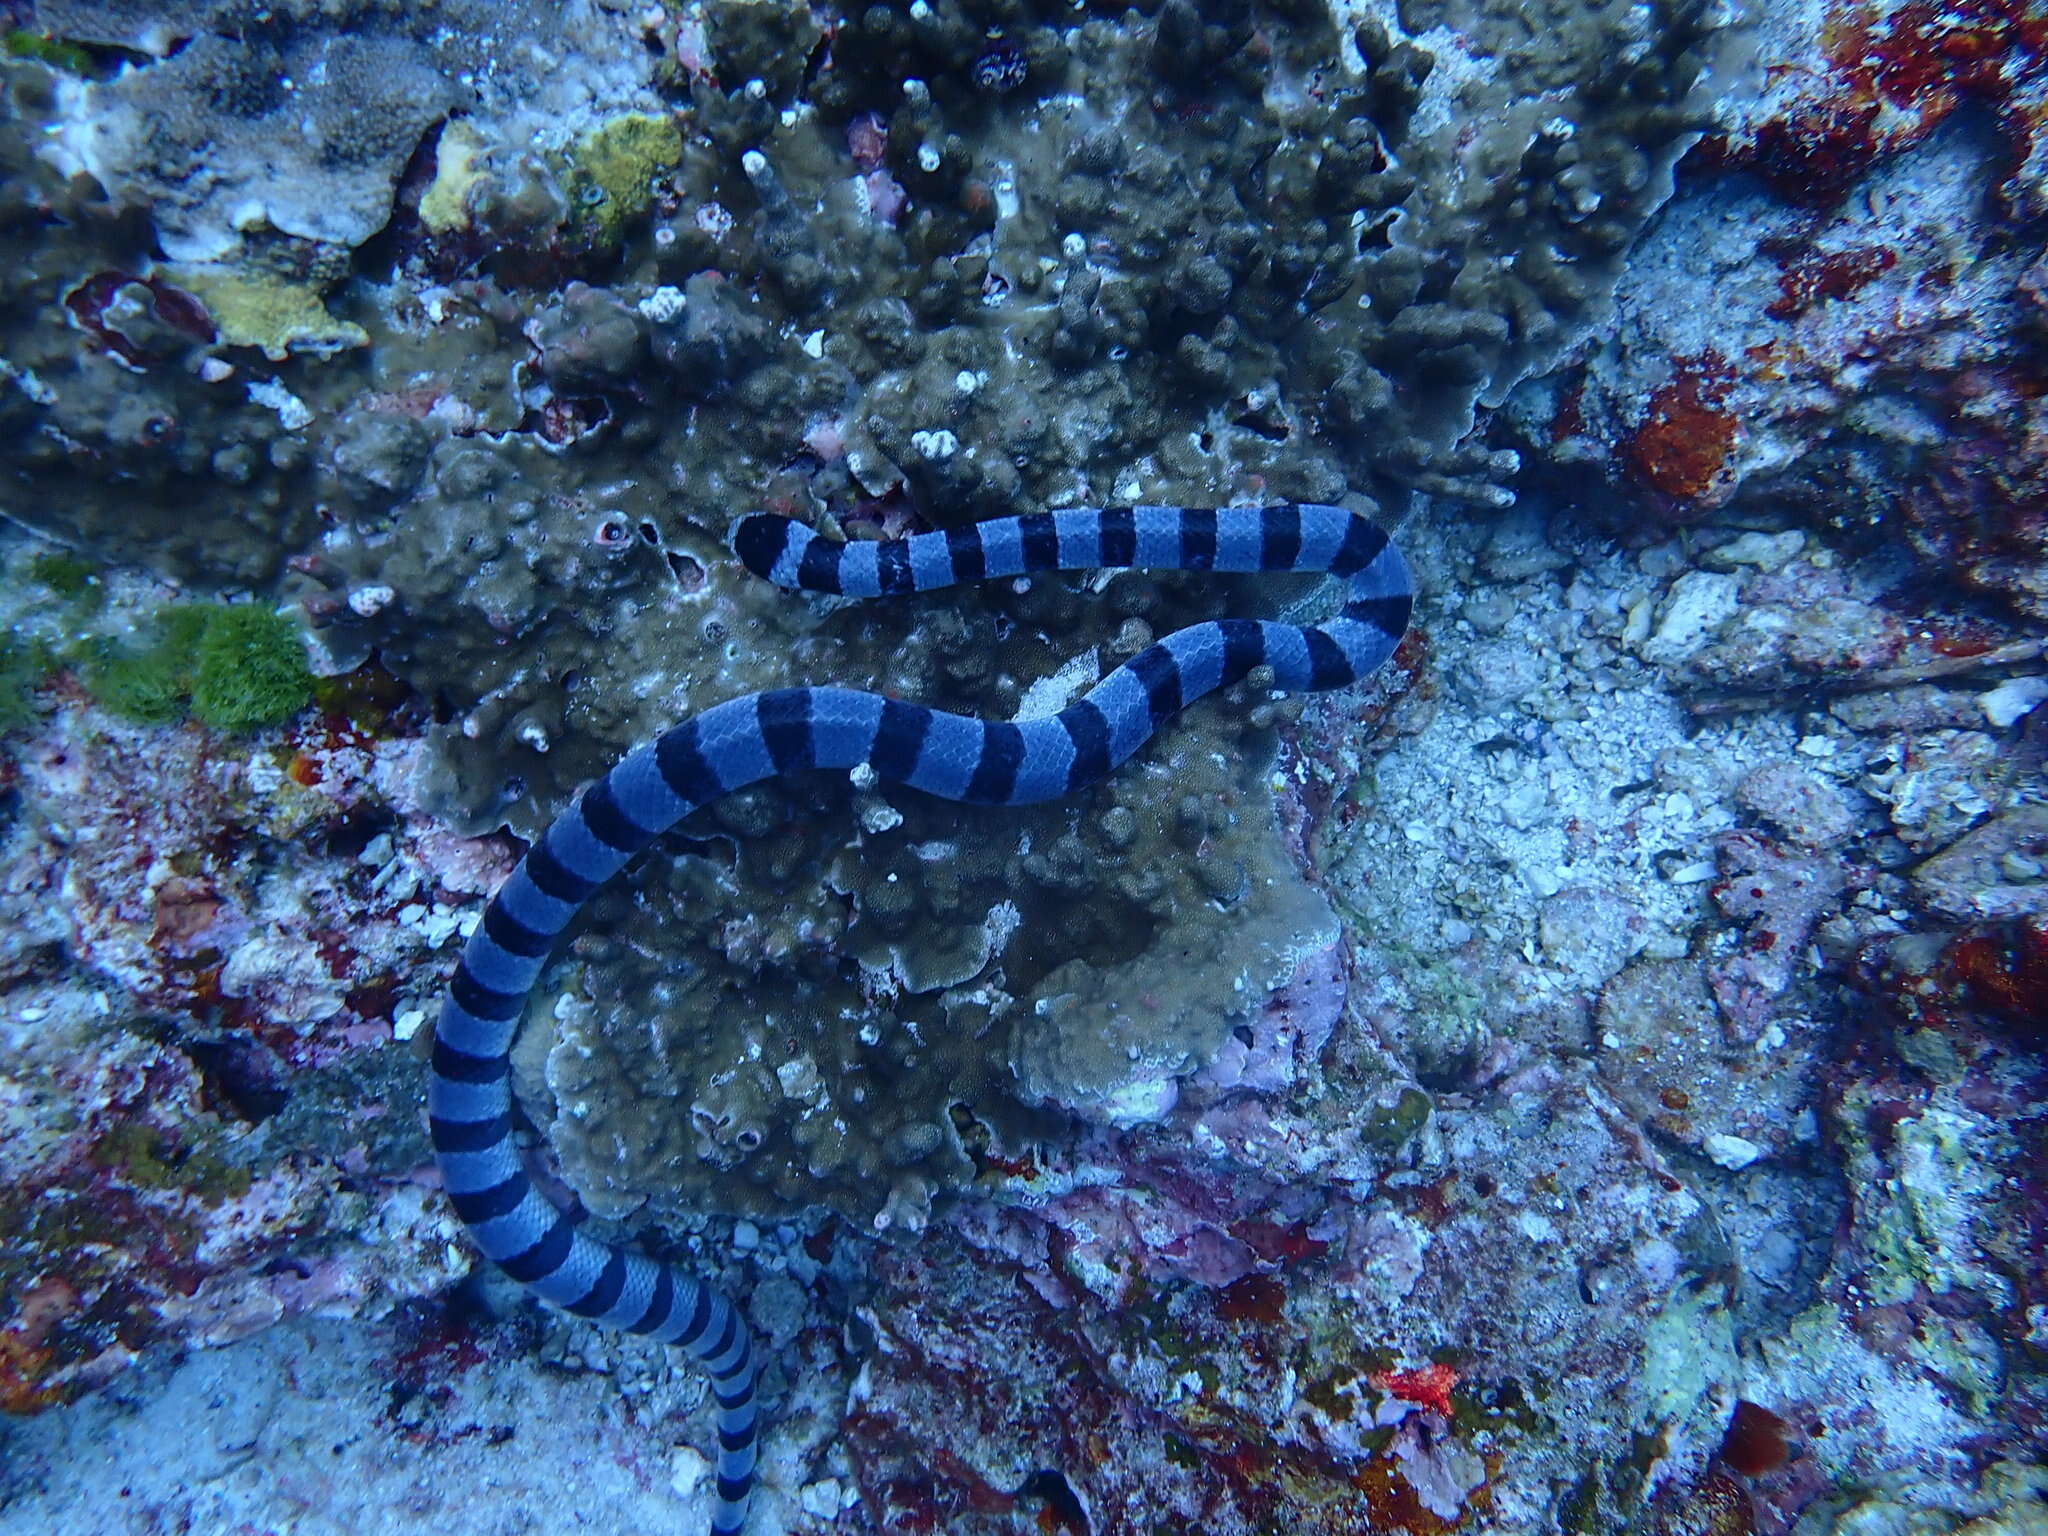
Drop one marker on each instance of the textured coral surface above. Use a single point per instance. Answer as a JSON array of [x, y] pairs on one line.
[[1586, 1081]]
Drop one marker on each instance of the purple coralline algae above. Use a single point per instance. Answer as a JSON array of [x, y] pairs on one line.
[[1588, 1080]]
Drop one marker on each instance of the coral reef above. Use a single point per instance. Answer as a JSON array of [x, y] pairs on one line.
[[1629, 1116], [528, 490], [1867, 356], [919, 988], [216, 944], [1315, 278]]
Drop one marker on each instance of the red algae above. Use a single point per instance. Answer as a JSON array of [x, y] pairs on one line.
[[1681, 448], [1891, 80], [1427, 1386], [1756, 1442], [1822, 277]]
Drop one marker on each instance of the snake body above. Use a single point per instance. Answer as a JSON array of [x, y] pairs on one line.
[[761, 735]]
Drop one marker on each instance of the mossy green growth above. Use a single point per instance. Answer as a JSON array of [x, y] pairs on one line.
[[612, 171], [150, 685], [23, 666], [147, 686], [20, 43], [1394, 1124], [64, 574], [252, 669], [231, 666]]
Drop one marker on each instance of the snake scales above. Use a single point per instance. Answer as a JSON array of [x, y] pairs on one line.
[[761, 735]]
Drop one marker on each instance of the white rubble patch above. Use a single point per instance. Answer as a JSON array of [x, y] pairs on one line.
[[293, 414], [663, 305], [1698, 604], [688, 1470], [1732, 1152], [1765, 551], [1047, 696]]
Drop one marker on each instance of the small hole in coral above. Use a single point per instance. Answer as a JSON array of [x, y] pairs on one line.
[[240, 1075], [1756, 1441], [1063, 1511]]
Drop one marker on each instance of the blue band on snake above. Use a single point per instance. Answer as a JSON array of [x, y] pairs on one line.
[[762, 735]]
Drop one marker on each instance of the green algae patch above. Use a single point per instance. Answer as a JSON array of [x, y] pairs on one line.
[[1925, 1235], [1688, 1355], [64, 574], [23, 666], [612, 172], [20, 43], [230, 666], [148, 686], [1393, 1125], [251, 669]]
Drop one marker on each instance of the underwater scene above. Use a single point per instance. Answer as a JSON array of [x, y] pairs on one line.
[[1024, 767]]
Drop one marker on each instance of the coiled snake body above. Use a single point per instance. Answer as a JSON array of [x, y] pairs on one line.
[[789, 729]]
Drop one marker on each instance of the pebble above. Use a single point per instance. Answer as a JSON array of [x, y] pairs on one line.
[[662, 305], [1698, 604], [1732, 1152], [878, 815], [2013, 700], [1518, 550], [688, 1470], [1804, 808], [1496, 672], [820, 1499], [1589, 934], [1765, 551], [1525, 806], [1490, 611]]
